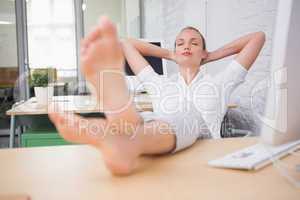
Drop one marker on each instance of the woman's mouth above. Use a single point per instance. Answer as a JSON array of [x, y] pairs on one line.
[[187, 53]]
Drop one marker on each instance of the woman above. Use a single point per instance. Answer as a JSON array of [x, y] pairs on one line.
[[192, 102], [124, 136]]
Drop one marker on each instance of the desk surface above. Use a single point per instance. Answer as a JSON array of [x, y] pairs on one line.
[[80, 104], [77, 172]]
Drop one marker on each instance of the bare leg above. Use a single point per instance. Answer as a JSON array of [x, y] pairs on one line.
[[122, 137]]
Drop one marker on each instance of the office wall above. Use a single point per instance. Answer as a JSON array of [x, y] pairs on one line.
[[124, 13], [220, 22], [96, 8], [230, 19], [132, 19], [8, 44]]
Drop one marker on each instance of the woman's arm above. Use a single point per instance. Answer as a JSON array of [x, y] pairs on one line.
[[135, 60], [148, 49], [247, 48]]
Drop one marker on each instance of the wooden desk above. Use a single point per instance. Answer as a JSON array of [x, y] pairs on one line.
[[78, 172], [77, 104]]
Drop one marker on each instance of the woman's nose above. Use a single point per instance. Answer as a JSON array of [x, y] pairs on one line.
[[187, 47]]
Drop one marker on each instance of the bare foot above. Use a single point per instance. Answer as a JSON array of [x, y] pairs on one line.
[[120, 151], [102, 63]]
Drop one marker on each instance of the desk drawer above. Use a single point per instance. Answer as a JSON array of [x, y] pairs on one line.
[[41, 138]]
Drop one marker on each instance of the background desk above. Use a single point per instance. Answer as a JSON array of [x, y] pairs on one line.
[[77, 104], [78, 172]]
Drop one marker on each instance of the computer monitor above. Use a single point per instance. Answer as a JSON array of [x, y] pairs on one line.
[[155, 62], [158, 64], [281, 121]]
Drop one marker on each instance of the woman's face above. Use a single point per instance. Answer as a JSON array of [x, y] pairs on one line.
[[189, 49]]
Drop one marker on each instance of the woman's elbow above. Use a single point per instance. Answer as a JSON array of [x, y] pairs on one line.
[[261, 36]]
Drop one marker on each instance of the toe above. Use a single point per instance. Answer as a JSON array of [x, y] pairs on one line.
[[108, 29]]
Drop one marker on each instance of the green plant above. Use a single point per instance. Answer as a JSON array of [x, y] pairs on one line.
[[39, 79]]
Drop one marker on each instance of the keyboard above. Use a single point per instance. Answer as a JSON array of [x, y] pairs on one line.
[[254, 157]]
